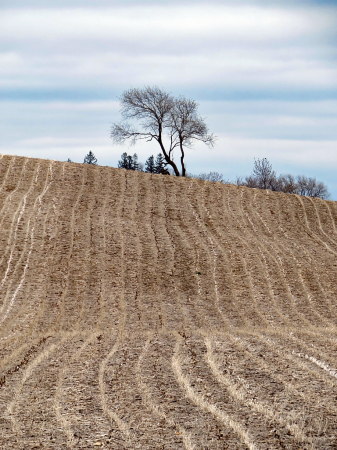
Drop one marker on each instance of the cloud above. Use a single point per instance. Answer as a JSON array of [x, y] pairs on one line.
[[302, 132], [242, 70], [247, 47], [235, 24], [98, 4], [154, 26], [264, 72]]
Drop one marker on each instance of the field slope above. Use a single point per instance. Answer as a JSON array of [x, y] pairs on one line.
[[144, 311]]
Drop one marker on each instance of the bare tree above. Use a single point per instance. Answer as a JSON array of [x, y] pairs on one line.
[[264, 177], [248, 181], [321, 191], [161, 115], [312, 188], [252, 182], [287, 183], [212, 176], [187, 126], [263, 173]]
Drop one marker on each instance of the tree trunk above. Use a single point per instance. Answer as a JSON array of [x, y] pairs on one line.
[[183, 169], [167, 158]]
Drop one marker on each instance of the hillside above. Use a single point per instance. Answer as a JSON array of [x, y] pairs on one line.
[[144, 311]]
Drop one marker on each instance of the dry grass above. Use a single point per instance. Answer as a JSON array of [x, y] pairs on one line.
[[141, 311]]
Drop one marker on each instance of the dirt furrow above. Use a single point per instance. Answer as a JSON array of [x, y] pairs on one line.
[[183, 273], [154, 317], [153, 405], [60, 259], [265, 262], [131, 254], [143, 311], [252, 221], [113, 278], [15, 225], [314, 225], [10, 185], [14, 414], [167, 292], [303, 287], [245, 396], [225, 313], [310, 379], [207, 404], [285, 246], [20, 275], [321, 284]]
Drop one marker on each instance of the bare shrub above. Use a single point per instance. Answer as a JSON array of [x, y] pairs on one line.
[[287, 183], [212, 176], [312, 188], [264, 177]]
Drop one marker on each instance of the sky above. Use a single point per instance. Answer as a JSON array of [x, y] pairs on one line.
[[264, 73]]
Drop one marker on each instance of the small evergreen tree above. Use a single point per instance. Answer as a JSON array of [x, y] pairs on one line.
[[159, 164], [123, 162], [150, 165], [135, 164], [129, 162], [90, 159]]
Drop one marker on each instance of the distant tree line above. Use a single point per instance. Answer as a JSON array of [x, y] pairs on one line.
[[152, 165], [175, 124], [130, 162], [90, 158], [264, 177]]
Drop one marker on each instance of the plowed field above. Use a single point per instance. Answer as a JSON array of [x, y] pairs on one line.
[[143, 311]]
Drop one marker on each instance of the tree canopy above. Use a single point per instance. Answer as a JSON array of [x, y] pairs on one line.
[[172, 122]]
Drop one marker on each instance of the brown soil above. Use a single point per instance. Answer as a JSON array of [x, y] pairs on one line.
[[144, 311]]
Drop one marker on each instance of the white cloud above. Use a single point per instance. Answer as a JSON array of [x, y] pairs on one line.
[[243, 23], [281, 131], [302, 153], [239, 47], [242, 69], [242, 48]]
